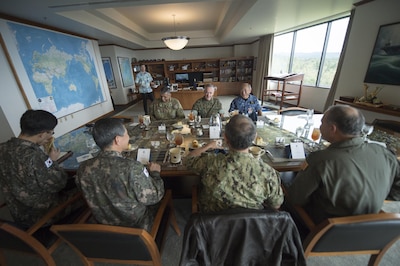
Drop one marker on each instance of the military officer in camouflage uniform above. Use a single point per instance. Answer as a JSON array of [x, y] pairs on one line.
[[120, 191], [166, 107], [207, 105], [235, 179], [30, 179]]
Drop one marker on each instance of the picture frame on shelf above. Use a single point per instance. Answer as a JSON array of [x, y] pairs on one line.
[[108, 70]]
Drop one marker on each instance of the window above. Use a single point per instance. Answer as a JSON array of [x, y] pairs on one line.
[[313, 51]]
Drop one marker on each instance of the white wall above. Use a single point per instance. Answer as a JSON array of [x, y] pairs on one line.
[[368, 18], [120, 93], [13, 105]]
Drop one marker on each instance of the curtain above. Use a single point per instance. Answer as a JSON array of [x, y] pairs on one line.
[[263, 63], [331, 96]]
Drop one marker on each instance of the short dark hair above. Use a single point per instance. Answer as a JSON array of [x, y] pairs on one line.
[[240, 132], [165, 89], [106, 129], [33, 122], [348, 120]]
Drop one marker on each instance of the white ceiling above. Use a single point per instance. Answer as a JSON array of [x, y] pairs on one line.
[[140, 24]]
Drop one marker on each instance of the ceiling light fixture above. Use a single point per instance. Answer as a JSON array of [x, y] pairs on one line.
[[175, 42]]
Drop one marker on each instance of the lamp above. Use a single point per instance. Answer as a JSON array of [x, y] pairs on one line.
[[175, 42]]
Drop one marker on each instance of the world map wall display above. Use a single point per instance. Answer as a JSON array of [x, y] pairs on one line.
[[61, 71]]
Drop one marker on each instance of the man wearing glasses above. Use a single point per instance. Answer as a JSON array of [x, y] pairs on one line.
[[30, 178]]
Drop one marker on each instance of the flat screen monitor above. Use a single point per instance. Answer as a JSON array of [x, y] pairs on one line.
[[182, 77], [198, 76]]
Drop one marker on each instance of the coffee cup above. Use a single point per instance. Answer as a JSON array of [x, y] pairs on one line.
[[176, 155], [257, 152]]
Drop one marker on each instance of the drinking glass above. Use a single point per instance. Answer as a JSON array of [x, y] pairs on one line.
[[367, 130], [146, 121], [198, 121], [191, 117], [170, 138], [155, 144], [140, 120], [299, 133], [178, 140], [315, 135]]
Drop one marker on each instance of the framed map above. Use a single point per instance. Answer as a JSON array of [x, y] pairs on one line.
[[109, 72], [126, 71], [57, 72]]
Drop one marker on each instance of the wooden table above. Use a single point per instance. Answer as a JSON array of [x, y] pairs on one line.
[[176, 176]]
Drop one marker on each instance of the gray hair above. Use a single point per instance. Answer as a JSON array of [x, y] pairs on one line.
[[105, 130], [348, 120], [240, 132]]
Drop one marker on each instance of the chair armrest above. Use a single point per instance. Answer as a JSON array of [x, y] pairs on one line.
[[158, 218], [53, 212], [195, 199], [305, 217]]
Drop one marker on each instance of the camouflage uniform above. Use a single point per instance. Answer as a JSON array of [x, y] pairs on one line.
[[207, 108], [30, 188], [119, 190], [235, 180], [160, 110]]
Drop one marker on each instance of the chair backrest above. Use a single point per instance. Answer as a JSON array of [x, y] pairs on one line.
[[14, 238], [360, 234], [110, 244], [291, 111], [387, 125], [242, 237]]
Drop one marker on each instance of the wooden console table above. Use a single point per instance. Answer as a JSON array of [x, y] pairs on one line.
[[385, 109], [283, 94]]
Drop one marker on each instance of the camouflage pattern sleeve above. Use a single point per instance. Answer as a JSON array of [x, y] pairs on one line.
[[275, 194], [179, 111], [148, 187]]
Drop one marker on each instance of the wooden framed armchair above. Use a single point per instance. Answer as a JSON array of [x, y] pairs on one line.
[[352, 235], [291, 111], [37, 239], [117, 244]]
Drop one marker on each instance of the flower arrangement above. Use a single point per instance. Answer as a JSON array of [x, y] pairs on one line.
[[371, 97]]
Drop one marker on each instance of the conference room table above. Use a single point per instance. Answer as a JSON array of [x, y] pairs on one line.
[[141, 138], [176, 176], [268, 130]]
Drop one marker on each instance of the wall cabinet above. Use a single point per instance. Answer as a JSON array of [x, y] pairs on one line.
[[236, 69]]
